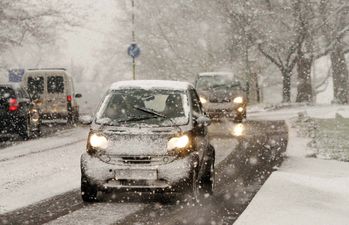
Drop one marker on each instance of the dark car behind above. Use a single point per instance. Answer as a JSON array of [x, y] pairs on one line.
[[18, 114]]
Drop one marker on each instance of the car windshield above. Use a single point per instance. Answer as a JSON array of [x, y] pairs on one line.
[[147, 107], [217, 82]]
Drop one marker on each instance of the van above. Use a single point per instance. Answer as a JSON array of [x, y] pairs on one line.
[[53, 90]]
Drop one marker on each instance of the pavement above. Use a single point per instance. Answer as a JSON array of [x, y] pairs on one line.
[[303, 190]]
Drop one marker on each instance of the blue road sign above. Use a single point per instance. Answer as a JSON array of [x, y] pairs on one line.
[[15, 75], [133, 50]]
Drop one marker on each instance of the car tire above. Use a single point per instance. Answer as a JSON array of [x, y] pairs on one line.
[[88, 191], [25, 129], [208, 179]]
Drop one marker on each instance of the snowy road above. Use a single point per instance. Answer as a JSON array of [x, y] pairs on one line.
[[42, 179]]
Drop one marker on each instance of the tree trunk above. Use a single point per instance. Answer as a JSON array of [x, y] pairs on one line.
[[304, 88], [286, 87], [339, 76]]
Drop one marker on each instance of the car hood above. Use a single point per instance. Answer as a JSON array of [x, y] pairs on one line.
[[139, 142], [220, 96]]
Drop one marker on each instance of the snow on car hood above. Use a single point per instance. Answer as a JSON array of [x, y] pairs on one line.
[[138, 144], [220, 95]]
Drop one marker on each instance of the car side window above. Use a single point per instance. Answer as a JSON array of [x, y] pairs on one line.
[[195, 102]]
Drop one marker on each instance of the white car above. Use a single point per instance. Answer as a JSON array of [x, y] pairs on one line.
[[148, 136]]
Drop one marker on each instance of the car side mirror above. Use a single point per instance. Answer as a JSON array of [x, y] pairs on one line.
[[86, 119], [203, 121], [78, 95], [247, 88]]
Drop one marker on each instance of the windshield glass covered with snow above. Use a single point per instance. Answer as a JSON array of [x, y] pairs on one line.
[[147, 107], [217, 82]]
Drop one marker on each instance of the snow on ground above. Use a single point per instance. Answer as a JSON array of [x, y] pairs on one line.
[[289, 111], [304, 190], [110, 213], [38, 169], [98, 213]]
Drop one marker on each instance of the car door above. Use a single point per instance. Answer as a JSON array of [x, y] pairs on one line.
[[56, 100], [200, 132]]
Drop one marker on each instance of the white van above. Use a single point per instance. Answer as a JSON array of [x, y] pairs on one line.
[[53, 90]]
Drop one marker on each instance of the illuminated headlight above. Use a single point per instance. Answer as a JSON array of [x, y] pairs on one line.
[[240, 109], [203, 100], [178, 142], [238, 130], [98, 141], [35, 116], [238, 100]]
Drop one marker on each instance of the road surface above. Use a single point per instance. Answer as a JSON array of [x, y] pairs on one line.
[[245, 156]]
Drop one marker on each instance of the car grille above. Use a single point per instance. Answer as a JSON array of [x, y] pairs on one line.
[[136, 160], [219, 100]]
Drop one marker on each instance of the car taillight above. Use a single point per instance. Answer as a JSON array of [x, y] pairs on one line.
[[13, 105], [69, 98]]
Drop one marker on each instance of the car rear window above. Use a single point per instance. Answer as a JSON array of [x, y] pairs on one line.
[[35, 86], [55, 84]]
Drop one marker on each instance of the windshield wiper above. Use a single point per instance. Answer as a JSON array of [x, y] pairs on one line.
[[149, 111], [137, 118], [157, 114]]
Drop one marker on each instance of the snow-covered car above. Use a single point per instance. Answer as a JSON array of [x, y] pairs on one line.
[[53, 89], [222, 95], [18, 113], [148, 136]]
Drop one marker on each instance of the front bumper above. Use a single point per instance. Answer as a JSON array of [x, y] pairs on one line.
[[173, 176], [219, 110]]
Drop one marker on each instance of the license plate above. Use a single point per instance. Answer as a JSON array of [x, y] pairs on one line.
[[135, 174]]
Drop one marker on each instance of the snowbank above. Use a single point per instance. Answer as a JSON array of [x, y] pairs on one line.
[[304, 190]]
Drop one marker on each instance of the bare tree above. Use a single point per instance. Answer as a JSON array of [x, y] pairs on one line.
[[335, 26]]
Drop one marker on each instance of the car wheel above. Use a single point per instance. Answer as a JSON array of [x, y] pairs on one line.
[[25, 129], [37, 132], [88, 191], [194, 189], [207, 181]]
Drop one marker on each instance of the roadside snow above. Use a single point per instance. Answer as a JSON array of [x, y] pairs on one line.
[[304, 190], [318, 111], [38, 169], [98, 213]]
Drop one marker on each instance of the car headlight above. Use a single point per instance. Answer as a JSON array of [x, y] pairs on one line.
[[35, 116], [98, 141], [203, 100], [179, 146], [238, 130], [178, 142], [238, 100]]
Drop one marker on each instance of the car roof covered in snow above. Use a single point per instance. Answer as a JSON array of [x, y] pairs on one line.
[[151, 84], [228, 74], [47, 71], [10, 85]]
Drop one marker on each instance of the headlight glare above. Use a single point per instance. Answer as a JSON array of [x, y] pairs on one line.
[[238, 100], [203, 100], [98, 141], [178, 142]]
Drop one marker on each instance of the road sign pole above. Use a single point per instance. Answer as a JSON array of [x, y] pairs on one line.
[[134, 68], [133, 40]]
